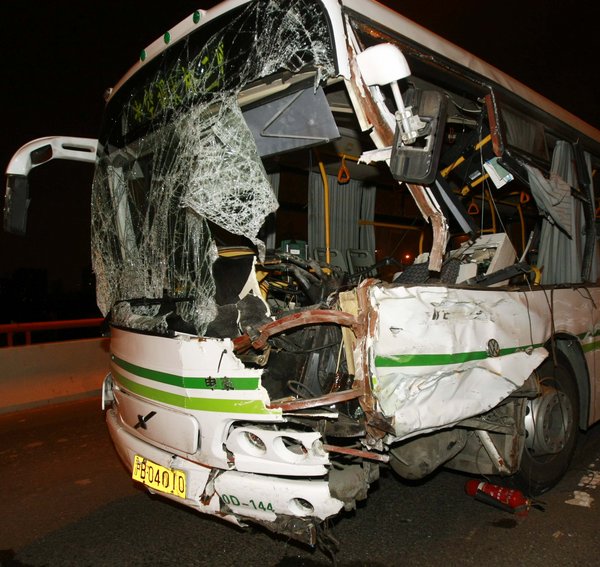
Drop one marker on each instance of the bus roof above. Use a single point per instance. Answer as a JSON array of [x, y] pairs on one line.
[[387, 18], [417, 33]]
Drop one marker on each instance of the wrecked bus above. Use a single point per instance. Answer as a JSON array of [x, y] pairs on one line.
[[266, 361]]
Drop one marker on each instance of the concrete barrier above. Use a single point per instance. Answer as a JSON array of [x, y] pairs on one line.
[[49, 373]]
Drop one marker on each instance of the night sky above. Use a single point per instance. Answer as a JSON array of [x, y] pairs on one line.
[[60, 56]]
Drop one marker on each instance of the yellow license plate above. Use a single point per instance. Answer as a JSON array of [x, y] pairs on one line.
[[157, 477]]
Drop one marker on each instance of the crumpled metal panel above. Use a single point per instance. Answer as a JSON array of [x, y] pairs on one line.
[[284, 451], [441, 355]]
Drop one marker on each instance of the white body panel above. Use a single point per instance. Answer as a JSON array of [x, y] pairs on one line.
[[235, 489]]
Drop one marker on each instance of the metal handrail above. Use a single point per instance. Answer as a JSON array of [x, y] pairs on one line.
[[9, 329]]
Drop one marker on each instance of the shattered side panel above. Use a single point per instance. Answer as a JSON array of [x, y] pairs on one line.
[[441, 355]]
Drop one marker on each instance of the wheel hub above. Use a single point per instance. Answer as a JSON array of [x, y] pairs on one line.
[[548, 423]]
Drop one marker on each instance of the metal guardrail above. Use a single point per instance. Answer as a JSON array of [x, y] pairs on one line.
[[10, 329]]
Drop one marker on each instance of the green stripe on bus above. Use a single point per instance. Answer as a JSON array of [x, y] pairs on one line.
[[442, 359], [589, 336], [193, 383], [201, 404], [588, 347]]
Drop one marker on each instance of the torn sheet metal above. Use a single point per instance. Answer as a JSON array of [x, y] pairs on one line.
[[432, 212], [442, 355], [372, 112], [289, 506]]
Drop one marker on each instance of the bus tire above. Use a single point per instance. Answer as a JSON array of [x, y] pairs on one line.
[[551, 427]]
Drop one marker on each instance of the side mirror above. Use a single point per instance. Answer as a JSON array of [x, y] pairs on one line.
[[385, 64], [420, 118], [16, 203], [418, 163], [382, 64], [32, 154]]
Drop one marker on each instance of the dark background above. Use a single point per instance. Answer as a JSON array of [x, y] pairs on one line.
[[59, 57]]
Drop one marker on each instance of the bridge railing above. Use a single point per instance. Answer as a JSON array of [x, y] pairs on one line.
[[11, 329]]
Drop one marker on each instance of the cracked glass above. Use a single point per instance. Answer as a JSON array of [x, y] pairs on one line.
[[176, 158]]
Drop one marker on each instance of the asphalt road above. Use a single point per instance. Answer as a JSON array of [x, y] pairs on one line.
[[65, 500]]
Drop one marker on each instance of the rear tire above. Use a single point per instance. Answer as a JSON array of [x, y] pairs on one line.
[[551, 426]]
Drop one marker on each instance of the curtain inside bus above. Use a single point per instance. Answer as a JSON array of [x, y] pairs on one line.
[[349, 203], [563, 226]]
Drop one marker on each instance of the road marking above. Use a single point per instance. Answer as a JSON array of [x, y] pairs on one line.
[[590, 480], [580, 499]]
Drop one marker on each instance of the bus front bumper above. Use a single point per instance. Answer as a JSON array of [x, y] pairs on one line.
[[290, 506]]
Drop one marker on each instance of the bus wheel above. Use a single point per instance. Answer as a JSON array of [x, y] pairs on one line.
[[551, 424]]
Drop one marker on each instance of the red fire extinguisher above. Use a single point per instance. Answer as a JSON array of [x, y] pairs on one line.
[[507, 499]]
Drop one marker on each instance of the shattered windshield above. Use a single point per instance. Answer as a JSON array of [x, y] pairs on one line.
[[176, 155]]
